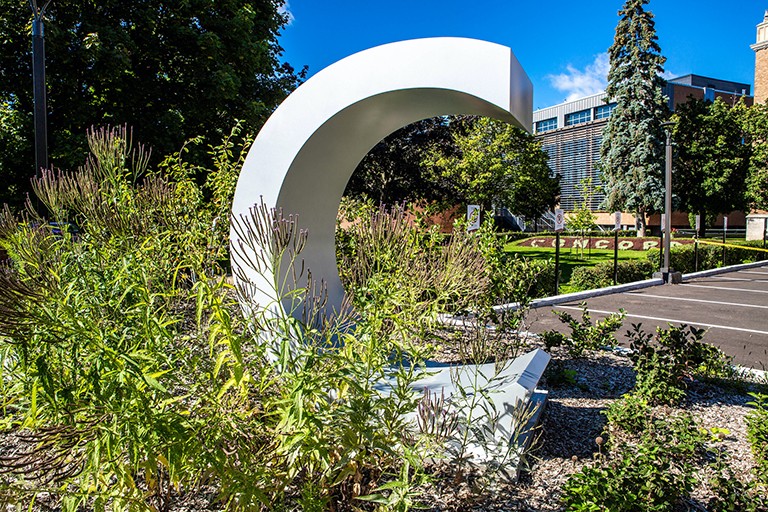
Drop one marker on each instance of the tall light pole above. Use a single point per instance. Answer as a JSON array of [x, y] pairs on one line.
[[667, 196], [667, 273], [38, 81]]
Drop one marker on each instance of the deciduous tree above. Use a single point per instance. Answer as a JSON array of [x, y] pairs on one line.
[[632, 152], [394, 172], [171, 70], [711, 159], [496, 164], [756, 127]]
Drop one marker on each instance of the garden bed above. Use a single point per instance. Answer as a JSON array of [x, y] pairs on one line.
[[579, 389]]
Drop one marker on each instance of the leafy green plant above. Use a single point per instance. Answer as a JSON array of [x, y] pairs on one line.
[[130, 374], [732, 494], [558, 375], [649, 466], [391, 265], [683, 258], [666, 362], [91, 320], [632, 413], [584, 334], [645, 477], [757, 433]]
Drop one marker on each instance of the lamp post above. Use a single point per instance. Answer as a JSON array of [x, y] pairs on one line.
[[667, 197], [38, 81], [667, 273]]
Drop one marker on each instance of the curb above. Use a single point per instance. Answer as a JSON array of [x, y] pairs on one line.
[[586, 294], [723, 270]]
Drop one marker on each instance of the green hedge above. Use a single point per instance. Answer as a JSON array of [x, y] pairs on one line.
[[529, 278], [601, 275], [682, 258]]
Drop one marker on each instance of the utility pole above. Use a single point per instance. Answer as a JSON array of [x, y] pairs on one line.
[[38, 81]]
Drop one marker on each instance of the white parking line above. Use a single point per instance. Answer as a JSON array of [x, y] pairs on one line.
[[738, 279], [669, 320], [753, 272], [723, 288], [696, 300]]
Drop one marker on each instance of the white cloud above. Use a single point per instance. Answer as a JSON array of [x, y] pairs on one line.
[[285, 8], [668, 75], [579, 83]]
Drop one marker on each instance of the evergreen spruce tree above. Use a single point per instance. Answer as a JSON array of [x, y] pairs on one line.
[[632, 152]]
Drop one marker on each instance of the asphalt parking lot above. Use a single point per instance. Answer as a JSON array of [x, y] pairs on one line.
[[733, 307]]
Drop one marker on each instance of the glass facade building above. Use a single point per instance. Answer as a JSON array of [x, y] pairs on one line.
[[571, 133]]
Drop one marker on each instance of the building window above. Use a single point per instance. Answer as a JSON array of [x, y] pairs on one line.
[[578, 117], [604, 111], [546, 125]]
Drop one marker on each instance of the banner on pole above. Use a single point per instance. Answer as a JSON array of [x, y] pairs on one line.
[[559, 220], [617, 221], [473, 217]]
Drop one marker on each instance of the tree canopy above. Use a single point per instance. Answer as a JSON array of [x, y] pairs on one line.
[[495, 164], [632, 151], [712, 158], [172, 71], [755, 124], [393, 171]]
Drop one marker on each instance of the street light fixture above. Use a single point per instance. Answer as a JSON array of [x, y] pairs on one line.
[[38, 80]]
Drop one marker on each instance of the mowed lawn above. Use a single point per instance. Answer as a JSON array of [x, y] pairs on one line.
[[572, 258]]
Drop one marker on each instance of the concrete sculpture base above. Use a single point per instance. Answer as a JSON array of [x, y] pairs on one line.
[[493, 414]]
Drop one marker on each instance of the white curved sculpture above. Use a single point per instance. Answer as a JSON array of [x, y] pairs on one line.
[[306, 152]]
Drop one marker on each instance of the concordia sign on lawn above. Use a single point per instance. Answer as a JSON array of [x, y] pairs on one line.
[[575, 242]]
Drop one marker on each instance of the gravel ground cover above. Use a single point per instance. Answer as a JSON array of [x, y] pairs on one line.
[[572, 421]]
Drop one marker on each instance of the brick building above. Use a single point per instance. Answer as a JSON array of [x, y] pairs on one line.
[[761, 61]]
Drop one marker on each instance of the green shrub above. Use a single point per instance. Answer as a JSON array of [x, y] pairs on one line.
[[683, 258], [649, 466], [652, 471], [632, 413], [130, 374], [584, 334], [393, 250], [731, 494], [757, 433], [390, 264], [92, 331], [667, 361], [601, 275]]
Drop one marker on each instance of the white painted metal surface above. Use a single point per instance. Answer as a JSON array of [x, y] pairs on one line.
[[306, 152]]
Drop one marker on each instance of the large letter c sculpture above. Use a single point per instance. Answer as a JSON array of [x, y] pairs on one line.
[[307, 150]]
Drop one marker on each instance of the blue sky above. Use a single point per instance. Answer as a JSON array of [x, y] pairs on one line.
[[561, 44]]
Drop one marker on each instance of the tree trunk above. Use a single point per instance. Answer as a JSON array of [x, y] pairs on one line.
[[702, 224], [640, 216]]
